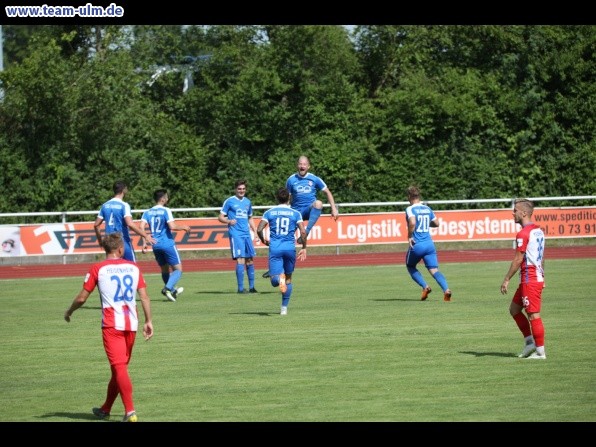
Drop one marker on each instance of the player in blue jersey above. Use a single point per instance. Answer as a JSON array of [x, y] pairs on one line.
[[236, 212], [283, 222], [304, 188], [118, 218], [420, 218], [161, 224]]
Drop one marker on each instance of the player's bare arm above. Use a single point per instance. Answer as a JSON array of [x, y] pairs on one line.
[[141, 232], [334, 212], [146, 304], [224, 220], [262, 224], [96, 227], [302, 252], [411, 228], [175, 227], [513, 268], [79, 300]]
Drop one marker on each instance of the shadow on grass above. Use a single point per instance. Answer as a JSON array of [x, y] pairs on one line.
[[76, 416], [260, 314], [223, 292], [488, 354]]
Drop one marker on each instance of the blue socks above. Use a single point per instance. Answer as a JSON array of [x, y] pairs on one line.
[[250, 272], [416, 276], [285, 298], [240, 276], [174, 278], [315, 213], [440, 278]]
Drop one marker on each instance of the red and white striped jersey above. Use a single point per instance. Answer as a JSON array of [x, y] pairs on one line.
[[530, 241], [117, 281]]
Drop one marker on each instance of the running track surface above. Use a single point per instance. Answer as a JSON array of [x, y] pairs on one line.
[[340, 260]]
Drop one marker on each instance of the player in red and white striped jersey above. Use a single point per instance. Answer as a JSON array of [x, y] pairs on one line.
[[529, 260], [118, 281]]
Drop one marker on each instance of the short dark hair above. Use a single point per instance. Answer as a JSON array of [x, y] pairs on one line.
[[159, 193], [119, 186], [282, 195], [239, 182]]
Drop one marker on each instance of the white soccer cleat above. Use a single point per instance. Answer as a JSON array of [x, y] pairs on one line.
[[284, 310], [535, 355], [170, 296], [178, 291], [528, 349]]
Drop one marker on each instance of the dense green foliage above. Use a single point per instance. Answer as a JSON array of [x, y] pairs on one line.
[[467, 112]]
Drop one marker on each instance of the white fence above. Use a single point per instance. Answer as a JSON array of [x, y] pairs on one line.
[[71, 237], [65, 214]]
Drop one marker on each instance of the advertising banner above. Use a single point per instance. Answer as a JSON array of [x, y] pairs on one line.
[[349, 229]]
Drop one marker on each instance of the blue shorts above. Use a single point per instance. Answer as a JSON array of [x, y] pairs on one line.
[[129, 253], [282, 261], [304, 211], [422, 251], [242, 247], [167, 256]]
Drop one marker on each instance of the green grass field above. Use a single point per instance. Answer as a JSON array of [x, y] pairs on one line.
[[357, 345]]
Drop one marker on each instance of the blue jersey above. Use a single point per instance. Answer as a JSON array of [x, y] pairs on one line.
[[424, 215], [283, 223], [158, 218], [239, 210], [113, 213], [304, 190]]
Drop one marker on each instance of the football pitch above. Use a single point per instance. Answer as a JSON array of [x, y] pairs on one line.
[[357, 345]]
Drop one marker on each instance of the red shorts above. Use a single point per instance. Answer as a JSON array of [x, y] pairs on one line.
[[529, 296], [118, 345]]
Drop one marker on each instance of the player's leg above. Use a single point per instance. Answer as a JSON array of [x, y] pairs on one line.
[[276, 267], [412, 260], [431, 262], [250, 253], [111, 344], [522, 322], [129, 253], [316, 210], [160, 257], [163, 265], [165, 274], [118, 350], [416, 275], [173, 261], [240, 266], [122, 375], [237, 250], [175, 276], [533, 293], [289, 263], [441, 280]]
